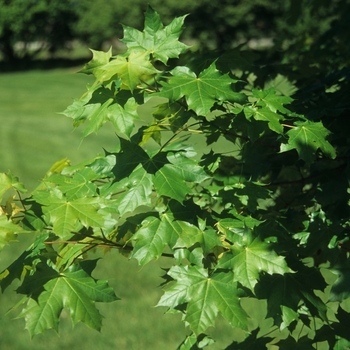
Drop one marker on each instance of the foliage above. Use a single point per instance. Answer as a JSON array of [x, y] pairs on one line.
[[244, 188], [44, 24], [212, 25]]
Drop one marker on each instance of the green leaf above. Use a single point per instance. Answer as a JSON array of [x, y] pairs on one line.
[[65, 215], [132, 70], [8, 231], [251, 342], [28, 260], [76, 291], [8, 181], [191, 235], [250, 259], [99, 59], [206, 296], [266, 114], [307, 137], [269, 99], [192, 342], [77, 186], [200, 92], [288, 290], [168, 183], [303, 343], [128, 158], [288, 316], [250, 193], [173, 114], [159, 41], [119, 107], [340, 289], [138, 189], [282, 86], [152, 238], [171, 179], [79, 111]]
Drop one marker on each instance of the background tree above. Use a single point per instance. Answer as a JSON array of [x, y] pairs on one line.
[[214, 25], [44, 24]]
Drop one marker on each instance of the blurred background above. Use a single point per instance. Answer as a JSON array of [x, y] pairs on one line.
[[43, 43]]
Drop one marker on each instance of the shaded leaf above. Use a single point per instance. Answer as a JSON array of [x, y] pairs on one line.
[[307, 137], [8, 231], [340, 288]]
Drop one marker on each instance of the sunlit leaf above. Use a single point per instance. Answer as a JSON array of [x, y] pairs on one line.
[[77, 292], [162, 42], [66, 216], [249, 260], [205, 297], [200, 92], [132, 70]]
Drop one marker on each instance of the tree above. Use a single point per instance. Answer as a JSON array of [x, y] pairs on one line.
[[259, 213], [213, 25], [45, 24]]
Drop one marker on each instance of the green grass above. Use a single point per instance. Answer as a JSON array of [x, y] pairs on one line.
[[33, 136]]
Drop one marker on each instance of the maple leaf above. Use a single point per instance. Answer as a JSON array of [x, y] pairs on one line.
[[192, 342], [8, 181], [101, 105], [8, 231], [65, 215], [99, 60], [200, 92], [128, 158], [191, 234], [132, 69], [250, 257], [265, 114], [77, 186], [340, 289], [307, 137], [153, 236], [283, 294], [138, 189], [269, 99], [171, 179], [74, 290], [162, 42], [205, 297]]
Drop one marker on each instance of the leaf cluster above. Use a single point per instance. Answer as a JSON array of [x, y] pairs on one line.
[[245, 188]]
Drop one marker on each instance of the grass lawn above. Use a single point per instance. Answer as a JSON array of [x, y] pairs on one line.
[[32, 134], [32, 137]]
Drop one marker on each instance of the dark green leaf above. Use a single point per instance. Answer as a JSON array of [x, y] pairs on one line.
[[307, 137]]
